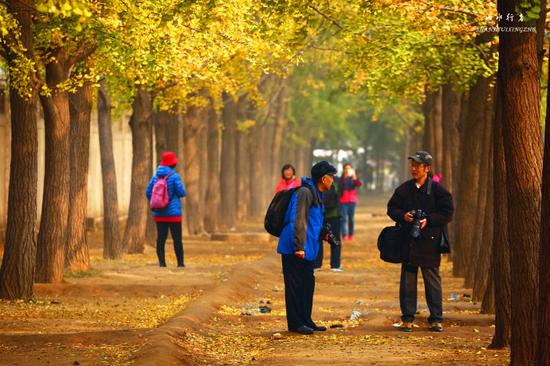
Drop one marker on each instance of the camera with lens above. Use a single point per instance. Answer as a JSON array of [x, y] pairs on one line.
[[418, 215], [329, 236]]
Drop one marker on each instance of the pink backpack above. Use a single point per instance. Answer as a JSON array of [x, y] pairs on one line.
[[159, 196]]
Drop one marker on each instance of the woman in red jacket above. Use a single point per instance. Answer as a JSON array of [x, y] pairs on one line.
[[348, 190], [288, 179]]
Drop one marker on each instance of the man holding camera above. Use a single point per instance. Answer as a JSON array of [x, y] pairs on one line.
[[299, 245], [422, 208]]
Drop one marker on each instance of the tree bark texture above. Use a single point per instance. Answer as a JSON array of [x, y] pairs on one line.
[[229, 161], [257, 175], [140, 124], [544, 258], [191, 166], [213, 193], [243, 161], [18, 261], [482, 262], [468, 176], [50, 259], [77, 255], [112, 245], [500, 256], [520, 80], [450, 118], [479, 233]]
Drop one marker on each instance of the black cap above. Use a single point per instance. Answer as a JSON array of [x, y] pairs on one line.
[[321, 169], [422, 157]]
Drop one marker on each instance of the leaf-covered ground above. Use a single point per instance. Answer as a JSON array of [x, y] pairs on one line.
[[107, 315]]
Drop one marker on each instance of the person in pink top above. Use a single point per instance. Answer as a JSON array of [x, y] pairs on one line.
[[288, 179], [348, 198]]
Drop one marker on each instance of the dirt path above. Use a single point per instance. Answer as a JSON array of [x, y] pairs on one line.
[[132, 312], [367, 285]]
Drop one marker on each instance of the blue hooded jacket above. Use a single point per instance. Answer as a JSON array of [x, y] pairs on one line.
[[304, 218], [175, 192]]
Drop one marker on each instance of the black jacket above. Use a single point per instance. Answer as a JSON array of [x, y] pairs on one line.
[[424, 251]]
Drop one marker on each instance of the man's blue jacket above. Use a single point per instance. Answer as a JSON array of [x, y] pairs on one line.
[[304, 220]]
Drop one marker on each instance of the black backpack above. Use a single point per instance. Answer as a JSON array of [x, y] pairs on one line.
[[274, 221]]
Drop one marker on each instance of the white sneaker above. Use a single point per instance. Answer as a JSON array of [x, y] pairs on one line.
[[339, 269]]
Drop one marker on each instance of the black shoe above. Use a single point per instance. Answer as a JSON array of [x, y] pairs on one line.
[[162, 264], [303, 330], [319, 328], [436, 327]]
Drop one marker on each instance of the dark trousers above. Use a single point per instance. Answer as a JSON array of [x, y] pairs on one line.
[[162, 235], [299, 287], [408, 291], [348, 214], [335, 250]]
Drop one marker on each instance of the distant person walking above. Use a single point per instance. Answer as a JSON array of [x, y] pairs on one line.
[[333, 217], [288, 178], [299, 245], [348, 198], [164, 192]]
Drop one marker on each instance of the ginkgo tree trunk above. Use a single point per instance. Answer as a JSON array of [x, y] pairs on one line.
[[141, 125], [52, 236], [77, 256], [18, 261], [112, 245], [520, 82]]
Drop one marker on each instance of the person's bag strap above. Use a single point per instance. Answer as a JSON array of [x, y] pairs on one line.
[[166, 179]]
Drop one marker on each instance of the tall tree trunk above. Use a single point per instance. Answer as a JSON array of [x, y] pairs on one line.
[[468, 180], [485, 243], [229, 161], [450, 119], [77, 256], [462, 121], [151, 229], [451, 111], [112, 245], [18, 261], [257, 173], [427, 137], [501, 247], [478, 242], [213, 194], [192, 131], [243, 181], [544, 274], [160, 124], [140, 124], [55, 204], [437, 126], [520, 77], [407, 151], [243, 161], [203, 168], [433, 133], [166, 129], [488, 303], [280, 123]]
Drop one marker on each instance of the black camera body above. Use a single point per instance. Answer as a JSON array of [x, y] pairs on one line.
[[329, 235], [418, 215]]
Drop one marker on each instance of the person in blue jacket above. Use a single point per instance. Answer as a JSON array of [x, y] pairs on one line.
[[299, 245], [169, 218]]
